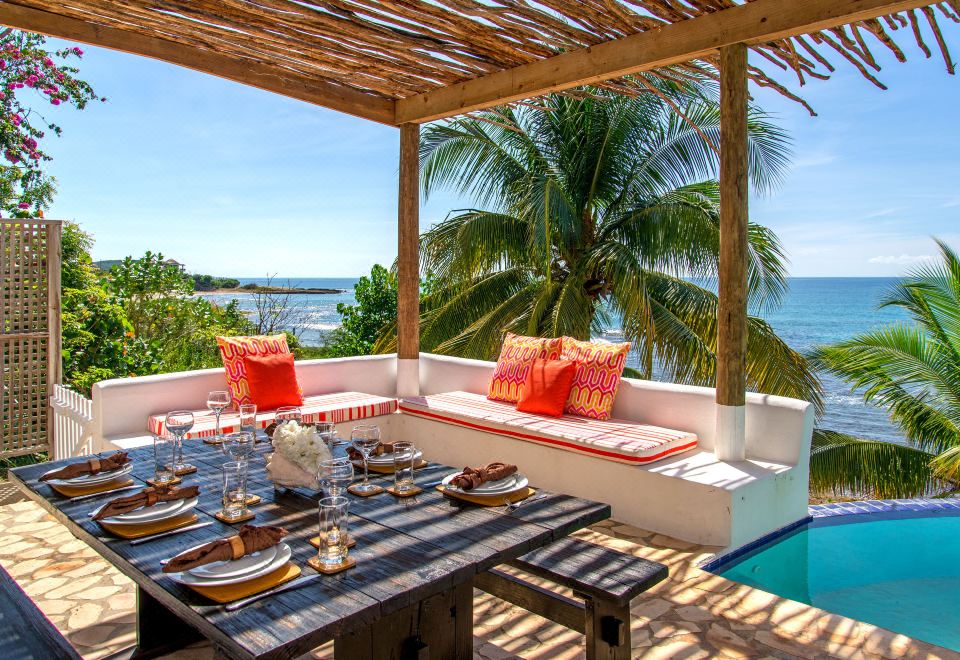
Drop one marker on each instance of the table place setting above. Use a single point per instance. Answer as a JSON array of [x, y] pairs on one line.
[[225, 570], [152, 511], [495, 484], [91, 476]]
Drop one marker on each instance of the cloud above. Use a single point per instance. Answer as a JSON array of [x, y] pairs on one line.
[[902, 260]]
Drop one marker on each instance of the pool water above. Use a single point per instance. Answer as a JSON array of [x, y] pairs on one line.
[[899, 573]]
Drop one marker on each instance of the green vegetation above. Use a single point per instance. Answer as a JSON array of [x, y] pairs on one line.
[[374, 315], [211, 283], [139, 319], [599, 206], [912, 370]]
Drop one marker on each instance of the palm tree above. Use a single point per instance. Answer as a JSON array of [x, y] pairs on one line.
[[912, 370], [593, 211]]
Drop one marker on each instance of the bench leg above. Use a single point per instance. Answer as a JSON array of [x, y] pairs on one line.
[[607, 629], [159, 631]]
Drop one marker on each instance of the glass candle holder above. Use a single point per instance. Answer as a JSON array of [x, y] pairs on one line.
[[403, 458], [164, 456], [332, 550], [234, 489]]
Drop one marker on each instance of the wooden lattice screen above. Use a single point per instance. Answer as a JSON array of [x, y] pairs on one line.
[[29, 332]]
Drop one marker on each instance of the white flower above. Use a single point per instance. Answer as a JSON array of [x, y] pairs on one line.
[[301, 445]]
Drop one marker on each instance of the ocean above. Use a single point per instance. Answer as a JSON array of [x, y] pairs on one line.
[[816, 311]]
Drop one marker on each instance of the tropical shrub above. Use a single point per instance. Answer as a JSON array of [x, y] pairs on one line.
[[913, 371], [363, 324]]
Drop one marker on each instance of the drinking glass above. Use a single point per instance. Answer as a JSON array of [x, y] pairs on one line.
[[366, 438], [178, 422], [334, 475], [163, 459], [239, 445], [234, 489], [327, 432], [217, 401], [332, 549], [403, 455], [248, 417], [288, 414]]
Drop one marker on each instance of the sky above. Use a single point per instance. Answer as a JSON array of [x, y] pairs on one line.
[[234, 181]]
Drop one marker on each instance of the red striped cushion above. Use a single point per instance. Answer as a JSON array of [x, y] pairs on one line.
[[618, 440], [336, 408]]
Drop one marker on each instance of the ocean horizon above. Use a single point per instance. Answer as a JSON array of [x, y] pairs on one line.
[[815, 311]]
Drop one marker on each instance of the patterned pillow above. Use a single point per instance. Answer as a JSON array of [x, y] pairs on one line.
[[516, 356], [595, 385], [234, 349]]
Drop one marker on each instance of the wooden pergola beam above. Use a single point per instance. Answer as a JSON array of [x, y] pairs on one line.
[[753, 23], [272, 79]]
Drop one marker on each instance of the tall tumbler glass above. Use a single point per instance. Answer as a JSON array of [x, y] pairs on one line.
[[248, 417], [164, 456], [403, 459], [234, 490], [332, 549]]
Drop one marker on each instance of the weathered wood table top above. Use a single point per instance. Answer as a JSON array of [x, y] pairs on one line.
[[407, 550]]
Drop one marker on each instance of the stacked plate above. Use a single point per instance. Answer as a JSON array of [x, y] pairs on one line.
[[99, 479], [151, 514], [249, 567], [386, 460], [498, 488]]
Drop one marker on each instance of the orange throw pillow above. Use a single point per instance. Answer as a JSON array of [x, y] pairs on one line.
[[516, 356], [273, 381], [547, 387], [599, 367], [234, 349]]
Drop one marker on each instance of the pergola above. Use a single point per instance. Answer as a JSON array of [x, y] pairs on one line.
[[404, 63]]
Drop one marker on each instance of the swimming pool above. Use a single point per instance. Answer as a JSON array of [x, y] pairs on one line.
[[896, 570]]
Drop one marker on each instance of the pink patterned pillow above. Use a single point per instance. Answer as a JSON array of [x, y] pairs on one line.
[[234, 349], [595, 385], [516, 356]]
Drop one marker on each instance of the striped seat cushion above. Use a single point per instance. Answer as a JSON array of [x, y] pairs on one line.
[[618, 440], [336, 408]]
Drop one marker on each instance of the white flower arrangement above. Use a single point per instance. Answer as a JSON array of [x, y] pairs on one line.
[[299, 450]]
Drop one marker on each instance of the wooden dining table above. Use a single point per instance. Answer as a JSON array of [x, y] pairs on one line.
[[409, 595]]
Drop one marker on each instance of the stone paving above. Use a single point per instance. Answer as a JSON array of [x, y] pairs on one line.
[[692, 615]]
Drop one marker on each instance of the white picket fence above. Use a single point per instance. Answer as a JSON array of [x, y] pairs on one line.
[[72, 423]]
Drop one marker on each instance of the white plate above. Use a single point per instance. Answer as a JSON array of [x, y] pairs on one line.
[[235, 568], [283, 556], [147, 513], [387, 459], [503, 486], [185, 506], [92, 479]]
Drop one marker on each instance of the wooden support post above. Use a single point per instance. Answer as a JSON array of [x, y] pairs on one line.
[[730, 442], [54, 328], [408, 264]]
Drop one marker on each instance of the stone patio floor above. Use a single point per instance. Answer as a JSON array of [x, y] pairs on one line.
[[691, 615]]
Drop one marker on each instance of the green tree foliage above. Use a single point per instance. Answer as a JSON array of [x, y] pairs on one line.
[[211, 283], [599, 207], [374, 314], [140, 319], [33, 81], [912, 370]]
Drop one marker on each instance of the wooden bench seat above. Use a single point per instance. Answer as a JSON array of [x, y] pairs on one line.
[[25, 633], [604, 581]]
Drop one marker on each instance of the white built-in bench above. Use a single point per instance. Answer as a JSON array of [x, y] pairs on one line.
[[660, 473]]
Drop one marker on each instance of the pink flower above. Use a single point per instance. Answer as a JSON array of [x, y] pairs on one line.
[[23, 205], [77, 51], [3, 65], [55, 101], [2, 95], [11, 156], [47, 61], [11, 85], [31, 80], [16, 119], [31, 143], [60, 76]]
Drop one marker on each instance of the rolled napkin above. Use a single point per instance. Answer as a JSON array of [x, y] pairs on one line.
[[470, 478], [94, 465], [146, 497], [250, 539], [382, 448]]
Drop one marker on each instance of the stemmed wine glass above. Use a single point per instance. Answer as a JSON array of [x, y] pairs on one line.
[[334, 475], [179, 422], [366, 438], [288, 414], [217, 401]]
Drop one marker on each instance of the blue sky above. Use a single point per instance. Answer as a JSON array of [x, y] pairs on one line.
[[235, 181]]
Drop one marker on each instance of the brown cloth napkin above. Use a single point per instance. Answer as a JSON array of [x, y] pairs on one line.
[[382, 448], [470, 478], [250, 539], [146, 497], [94, 465]]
